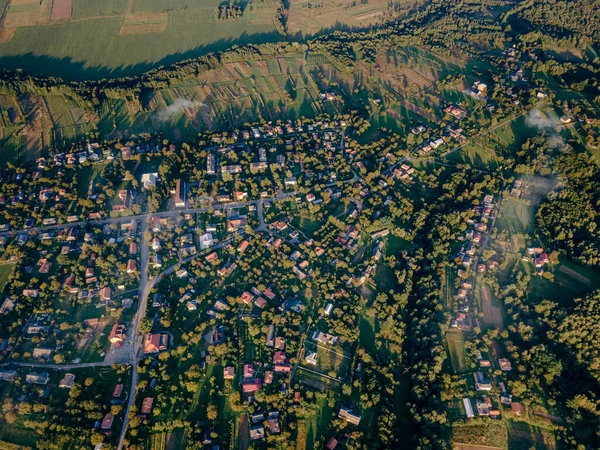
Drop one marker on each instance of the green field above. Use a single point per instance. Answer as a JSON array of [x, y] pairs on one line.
[[306, 225], [87, 8], [476, 155], [330, 362], [228, 96], [90, 45], [315, 427], [483, 151], [367, 327], [489, 433], [315, 381], [570, 281], [17, 433], [455, 409], [456, 348], [522, 436], [516, 217], [11, 145], [5, 270]]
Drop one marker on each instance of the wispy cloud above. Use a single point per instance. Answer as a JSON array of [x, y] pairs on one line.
[[178, 106], [539, 120]]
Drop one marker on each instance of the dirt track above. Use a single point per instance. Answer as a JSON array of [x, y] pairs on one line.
[[244, 435], [474, 447], [575, 275]]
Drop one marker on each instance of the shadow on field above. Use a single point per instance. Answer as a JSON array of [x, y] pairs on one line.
[[70, 70]]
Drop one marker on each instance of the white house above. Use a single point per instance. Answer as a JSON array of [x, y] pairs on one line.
[[206, 241], [149, 180]]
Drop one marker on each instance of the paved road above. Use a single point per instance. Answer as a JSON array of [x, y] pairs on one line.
[[135, 336], [58, 366], [146, 286], [261, 217], [147, 216]]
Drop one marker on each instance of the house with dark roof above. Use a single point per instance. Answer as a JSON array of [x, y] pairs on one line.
[[257, 432]]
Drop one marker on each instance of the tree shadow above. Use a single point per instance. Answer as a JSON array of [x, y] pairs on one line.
[[70, 70]]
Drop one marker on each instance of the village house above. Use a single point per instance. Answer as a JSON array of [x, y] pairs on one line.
[[311, 358], [481, 382], [105, 294], [243, 246], [324, 338], [505, 364], [517, 408], [107, 422], [257, 432], [131, 266], [228, 373], [7, 305], [124, 201], [67, 381], [7, 375], [42, 353], [279, 358], [246, 297], [37, 378], [211, 257], [156, 342], [273, 424], [234, 224], [117, 334], [118, 390], [270, 339], [268, 377], [147, 405], [179, 194], [331, 444], [260, 302], [347, 415], [206, 241], [249, 387]]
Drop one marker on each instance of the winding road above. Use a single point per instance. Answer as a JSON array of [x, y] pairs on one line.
[[146, 286]]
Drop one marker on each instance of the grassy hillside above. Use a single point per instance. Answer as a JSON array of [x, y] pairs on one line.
[[124, 38]]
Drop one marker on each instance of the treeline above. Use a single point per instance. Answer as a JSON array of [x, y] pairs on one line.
[[561, 19], [569, 217], [553, 349], [229, 11], [439, 223]]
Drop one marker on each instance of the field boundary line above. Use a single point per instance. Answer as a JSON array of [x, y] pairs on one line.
[[4, 13], [319, 373], [328, 349]]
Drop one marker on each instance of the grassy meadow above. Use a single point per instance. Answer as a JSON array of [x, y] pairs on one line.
[[94, 43]]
